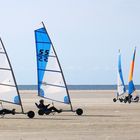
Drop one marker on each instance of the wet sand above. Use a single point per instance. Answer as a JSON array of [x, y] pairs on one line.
[[102, 119]]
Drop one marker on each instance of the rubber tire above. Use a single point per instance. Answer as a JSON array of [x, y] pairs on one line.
[[48, 112], [129, 101], [125, 101], [31, 114], [79, 111], [114, 100], [41, 112], [121, 100]]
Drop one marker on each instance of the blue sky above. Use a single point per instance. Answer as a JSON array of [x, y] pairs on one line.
[[86, 34]]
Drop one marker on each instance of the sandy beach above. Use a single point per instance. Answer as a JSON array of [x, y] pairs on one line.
[[102, 119]]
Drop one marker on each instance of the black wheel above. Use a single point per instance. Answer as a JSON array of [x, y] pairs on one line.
[[30, 114], [48, 112], [125, 101], [79, 111], [41, 112], [121, 100], [129, 101], [114, 100]]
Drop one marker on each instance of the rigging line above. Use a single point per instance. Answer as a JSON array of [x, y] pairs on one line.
[[5, 69], [2, 52], [40, 31], [43, 42], [7, 85], [44, 83], [49, 70]]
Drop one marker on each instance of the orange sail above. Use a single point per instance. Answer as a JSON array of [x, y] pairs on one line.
[[131, 87]]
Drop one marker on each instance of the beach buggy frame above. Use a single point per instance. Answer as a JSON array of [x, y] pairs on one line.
[[30, 114], [38, 42]]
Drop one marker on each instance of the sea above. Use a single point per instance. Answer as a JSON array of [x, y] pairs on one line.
[[79, 87]]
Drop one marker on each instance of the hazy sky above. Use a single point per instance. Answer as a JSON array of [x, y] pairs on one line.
[[86, 34]]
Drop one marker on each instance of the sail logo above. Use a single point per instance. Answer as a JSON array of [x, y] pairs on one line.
[[41, 93], [66, 100], [43, 55], [16, 99]]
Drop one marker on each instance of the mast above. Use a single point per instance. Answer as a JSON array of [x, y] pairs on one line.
[[60, 67], [37, 68], [117, 75], [12, 75]]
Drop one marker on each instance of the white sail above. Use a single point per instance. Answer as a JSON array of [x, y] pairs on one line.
[[51, 82], [120, 83], [120, 86], [8, 87]]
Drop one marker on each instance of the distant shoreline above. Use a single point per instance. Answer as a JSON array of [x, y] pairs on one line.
[[79, 87]]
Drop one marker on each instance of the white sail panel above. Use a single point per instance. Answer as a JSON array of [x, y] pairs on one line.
[[51, 53], [53, 78], [53, 64], [8, 90], [1, 48], [54, 93], [3, 61], [120, 86], [6, 77]]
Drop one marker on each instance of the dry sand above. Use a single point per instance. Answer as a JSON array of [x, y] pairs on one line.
[[102, 119]]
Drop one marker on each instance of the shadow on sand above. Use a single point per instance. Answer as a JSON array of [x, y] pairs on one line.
[[108, 116], [39, 118], [58, 117]]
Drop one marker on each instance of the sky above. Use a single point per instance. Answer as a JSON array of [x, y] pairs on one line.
[[86, 34]]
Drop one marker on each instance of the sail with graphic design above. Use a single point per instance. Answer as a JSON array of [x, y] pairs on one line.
[[131, 87], [51, 81], [120, 84], [8, 87]]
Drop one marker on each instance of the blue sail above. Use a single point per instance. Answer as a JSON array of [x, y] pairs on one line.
[[43, 45], [51, 83], [121, 85]]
